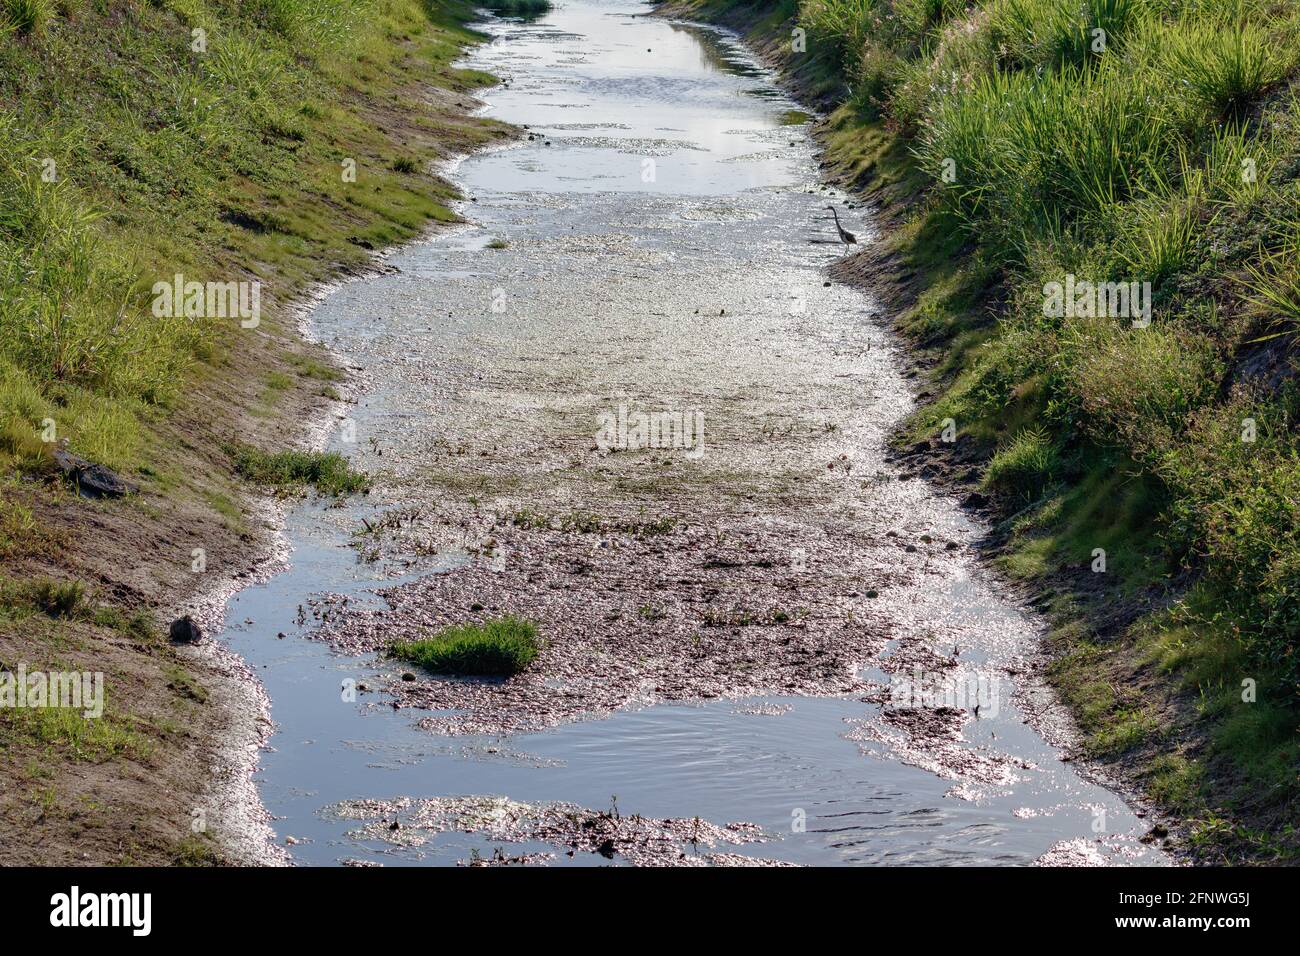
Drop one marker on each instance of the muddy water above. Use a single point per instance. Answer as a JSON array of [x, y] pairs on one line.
[[732, 628]]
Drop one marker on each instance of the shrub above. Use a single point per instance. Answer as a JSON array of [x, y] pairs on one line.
[[501, 646], [1137, 386], [1236, 506]]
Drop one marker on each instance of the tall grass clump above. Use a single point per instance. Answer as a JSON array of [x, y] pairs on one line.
[[501, 646], [25, 16], [1024, 465], [917, 19], [1026, 155], [1036, 33], [58, 599], [1224, 67], [843, 27], [1273, 290], [327, 472]]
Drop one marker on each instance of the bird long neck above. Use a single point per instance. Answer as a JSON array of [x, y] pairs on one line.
[[836, 215]]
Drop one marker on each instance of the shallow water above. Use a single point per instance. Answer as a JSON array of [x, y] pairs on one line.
[[666, 241]]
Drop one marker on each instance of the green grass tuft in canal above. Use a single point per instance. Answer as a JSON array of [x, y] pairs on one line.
[[498, 647]]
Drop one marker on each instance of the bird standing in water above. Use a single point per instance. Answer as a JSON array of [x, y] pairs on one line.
[[846, 237]]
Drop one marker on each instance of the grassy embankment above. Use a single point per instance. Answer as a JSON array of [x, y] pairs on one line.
[[1013, 143], [271, 141]]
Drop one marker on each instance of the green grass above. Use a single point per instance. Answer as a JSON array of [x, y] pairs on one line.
[[19, 530], [1156, 165], [1024, 465], [311, 368], [328, 472], [69, 731], [25, 16], [1225, 66], [197, 850], [222, 164], [502, 646], [56, 599]]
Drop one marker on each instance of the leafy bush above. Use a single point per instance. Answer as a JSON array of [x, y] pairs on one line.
[[1137, 386]]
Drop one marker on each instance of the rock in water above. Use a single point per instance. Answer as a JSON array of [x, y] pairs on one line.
[[92, 480], [185, 631]]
